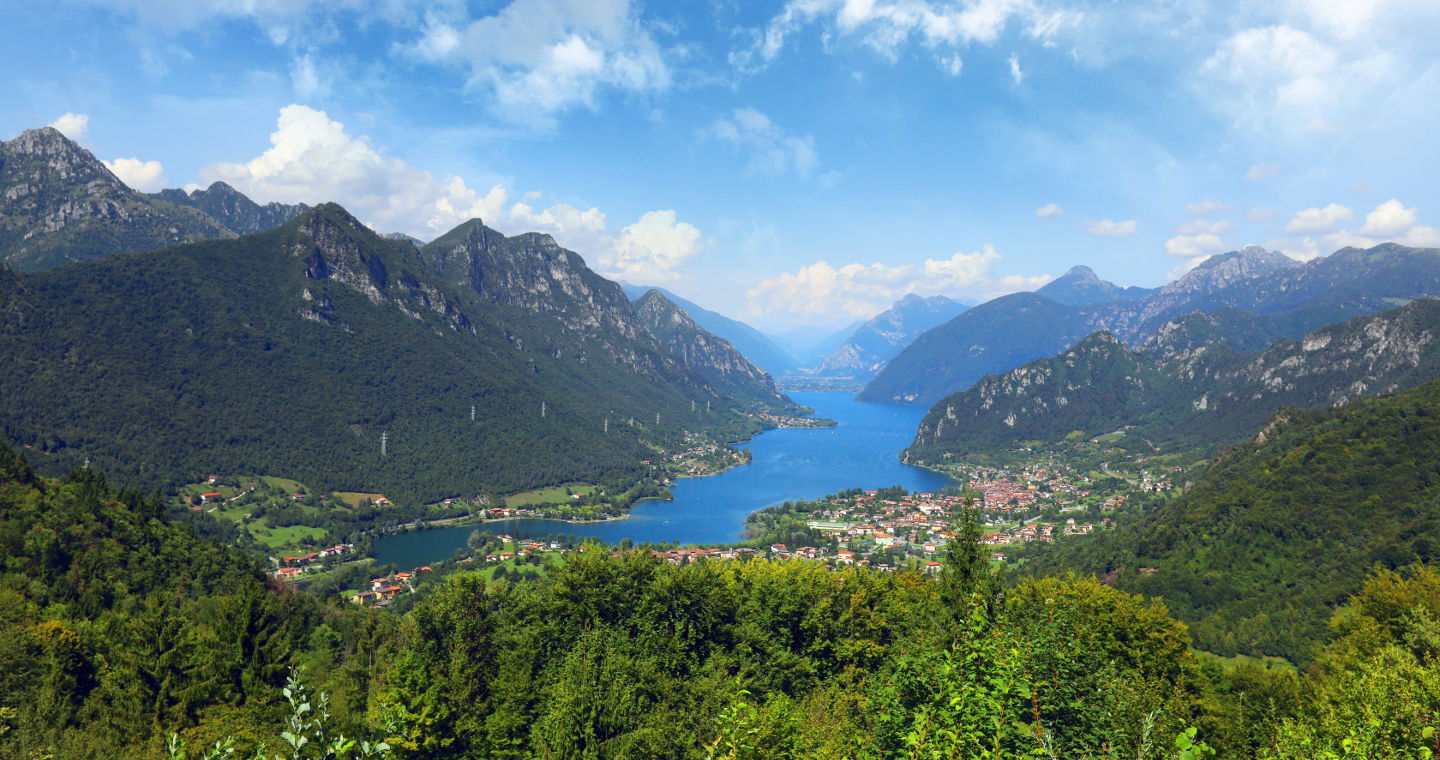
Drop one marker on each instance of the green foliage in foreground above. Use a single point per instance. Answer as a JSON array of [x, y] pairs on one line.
[[1281, 530], [123, 635]]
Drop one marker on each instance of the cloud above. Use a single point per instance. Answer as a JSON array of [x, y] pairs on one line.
[[538, 58], [1016, 75], [312, 160], [1049, 211], [1107, 228], [886, 26], [821, 292], [1260, 214], [1315, 220], [1389, 219], [1189, 246], [1203, 226], [1258, 172], [145, 176], [1318, 124], [653, 248], [1265, 76], [771, 149], [73, 125], [1206, 206]]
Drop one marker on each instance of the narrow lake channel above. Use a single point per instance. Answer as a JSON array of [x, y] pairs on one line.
[[788, 464]]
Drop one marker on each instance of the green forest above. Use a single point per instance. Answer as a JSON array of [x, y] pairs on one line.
[[126, 635]]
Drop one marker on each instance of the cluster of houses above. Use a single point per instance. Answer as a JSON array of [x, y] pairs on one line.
[[293, 567], [384, 590]]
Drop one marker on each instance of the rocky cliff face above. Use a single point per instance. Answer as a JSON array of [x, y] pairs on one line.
[[232, 208], [711, 356], [59, 204], [335, 246], [1189, 397]]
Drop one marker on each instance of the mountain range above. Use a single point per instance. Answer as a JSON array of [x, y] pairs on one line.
[[1290, 297], [58, 205], [877, 341], [1182, 397], [296, 350]]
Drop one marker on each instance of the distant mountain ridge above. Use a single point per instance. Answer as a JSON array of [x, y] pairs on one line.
[[726, 369], [1187, 398], [1081, 286], [1293, 298], [59, 204], [753, 344], [232, 209], [880, 339]]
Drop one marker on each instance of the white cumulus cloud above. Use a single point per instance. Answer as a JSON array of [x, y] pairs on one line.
[[1049, 211], [312, 159], [1108, 228], [1190, 246], [541, 57], [1315, 220], [1389, 219], [73, 125], [821, 292], [145, 176]]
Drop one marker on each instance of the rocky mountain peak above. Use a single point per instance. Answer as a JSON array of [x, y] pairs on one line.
[[1218, 272], [46, 155]]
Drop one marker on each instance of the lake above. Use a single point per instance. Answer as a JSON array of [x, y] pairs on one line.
[[863, 450]]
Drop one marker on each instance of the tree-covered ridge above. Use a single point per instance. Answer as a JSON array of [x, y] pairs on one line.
[[1292, 298], [294, 351], [1281, 529], [117, 625], [1184, 398], [59, 204]]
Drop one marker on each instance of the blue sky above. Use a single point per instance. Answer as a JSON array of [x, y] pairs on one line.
[[801, 163]]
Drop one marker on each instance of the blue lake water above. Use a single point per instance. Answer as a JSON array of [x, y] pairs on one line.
[[788, 464]]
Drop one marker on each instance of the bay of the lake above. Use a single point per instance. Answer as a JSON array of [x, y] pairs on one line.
[[789, 464]]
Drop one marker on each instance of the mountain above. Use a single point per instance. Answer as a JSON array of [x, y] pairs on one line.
[[726, 369], [59, 204], [880, 339], [1273, 537], [1081, 286], [294, 351], [1293, 298], [808, 344], [756, 347], [417, 242], [1189, 399], [232, 209]]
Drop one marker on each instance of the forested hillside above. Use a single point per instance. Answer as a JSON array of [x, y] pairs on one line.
[[120, 630], [292, 352], [1282, 529]]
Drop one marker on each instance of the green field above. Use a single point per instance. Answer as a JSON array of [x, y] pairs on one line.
[[551, 495], [353, 498]]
